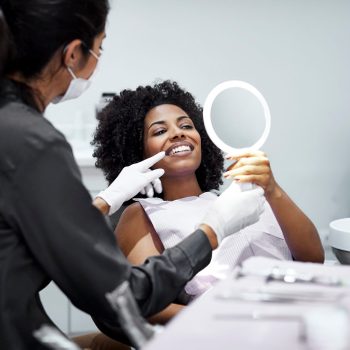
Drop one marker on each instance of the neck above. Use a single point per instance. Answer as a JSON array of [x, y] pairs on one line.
[[38, 87], [180, 187], [47, 85]]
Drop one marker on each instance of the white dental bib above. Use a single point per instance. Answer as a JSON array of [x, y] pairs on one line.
[[175, 220]]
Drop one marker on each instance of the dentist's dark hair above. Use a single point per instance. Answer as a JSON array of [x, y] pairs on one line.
[[4, 43], [38, 29]]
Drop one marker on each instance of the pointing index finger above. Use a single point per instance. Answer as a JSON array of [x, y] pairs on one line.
[[147, 163]]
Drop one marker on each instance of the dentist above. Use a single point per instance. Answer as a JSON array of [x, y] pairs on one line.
[[49, 228]]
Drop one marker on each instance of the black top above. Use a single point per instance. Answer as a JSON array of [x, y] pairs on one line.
[[49, 230]]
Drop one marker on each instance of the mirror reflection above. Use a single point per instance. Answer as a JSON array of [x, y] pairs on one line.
[[237, 117]]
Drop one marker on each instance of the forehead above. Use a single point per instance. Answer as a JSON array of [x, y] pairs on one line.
[[164, 112]]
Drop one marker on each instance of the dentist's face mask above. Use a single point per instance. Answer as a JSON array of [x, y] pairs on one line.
[[77, 85]]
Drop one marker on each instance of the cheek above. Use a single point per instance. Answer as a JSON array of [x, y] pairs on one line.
[[196, 136], [199, 141], [199, 157], [151, 146]]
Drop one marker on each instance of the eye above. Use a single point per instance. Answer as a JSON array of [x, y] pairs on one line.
[[186, 126], [159, 132]]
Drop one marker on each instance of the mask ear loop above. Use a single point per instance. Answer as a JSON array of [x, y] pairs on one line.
[[69, 68], [91, 51], [71, 72], [94, 54]]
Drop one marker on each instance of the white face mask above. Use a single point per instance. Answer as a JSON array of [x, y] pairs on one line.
[[77, 86]]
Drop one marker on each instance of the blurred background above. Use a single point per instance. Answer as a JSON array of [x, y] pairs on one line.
[[296, 52]]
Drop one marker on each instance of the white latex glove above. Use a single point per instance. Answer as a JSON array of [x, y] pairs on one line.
[[155, 185], [234, 210], [131, 180]]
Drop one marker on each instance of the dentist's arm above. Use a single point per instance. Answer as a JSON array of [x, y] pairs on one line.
[[232, 211], [228, 213], [101, 205]]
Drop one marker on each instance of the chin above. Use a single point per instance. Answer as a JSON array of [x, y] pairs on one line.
[[181, 167]]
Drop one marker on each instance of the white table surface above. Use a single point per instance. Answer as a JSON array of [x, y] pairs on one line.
[[212, 322]]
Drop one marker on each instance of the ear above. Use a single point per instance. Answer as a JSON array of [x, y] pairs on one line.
[[72, 54]]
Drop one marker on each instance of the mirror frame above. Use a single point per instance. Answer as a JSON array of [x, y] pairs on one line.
[[208, 121]]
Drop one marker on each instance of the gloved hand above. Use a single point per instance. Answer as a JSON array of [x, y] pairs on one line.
[[131, 180], [155, 185], [234, 210]]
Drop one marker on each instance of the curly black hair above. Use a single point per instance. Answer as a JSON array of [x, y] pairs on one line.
[[118, 139]]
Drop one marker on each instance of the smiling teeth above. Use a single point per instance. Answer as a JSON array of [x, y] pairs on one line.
[[180, 149]]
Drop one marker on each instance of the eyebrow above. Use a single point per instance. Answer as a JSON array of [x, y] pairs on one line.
[[162, 122]]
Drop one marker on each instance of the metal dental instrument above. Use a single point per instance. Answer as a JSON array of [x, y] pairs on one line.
[[292, 276]]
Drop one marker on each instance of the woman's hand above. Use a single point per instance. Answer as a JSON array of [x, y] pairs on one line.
[[254, 167], [298, 230]]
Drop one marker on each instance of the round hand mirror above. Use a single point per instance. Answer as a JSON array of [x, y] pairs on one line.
[[236, 116]]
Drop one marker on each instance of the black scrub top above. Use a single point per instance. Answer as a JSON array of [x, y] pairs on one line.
[[49, 230]]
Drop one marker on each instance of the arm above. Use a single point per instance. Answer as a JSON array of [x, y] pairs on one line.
[[143, 243], [300, 233], [104, 208], [72, 243], [101, 205]]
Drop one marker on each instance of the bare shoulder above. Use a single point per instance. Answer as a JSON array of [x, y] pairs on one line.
[[131, 226], [133, 212], [136, 235]]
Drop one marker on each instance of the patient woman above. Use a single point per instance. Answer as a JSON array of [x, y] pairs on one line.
[[164, 117]]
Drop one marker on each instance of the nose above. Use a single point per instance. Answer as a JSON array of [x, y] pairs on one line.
[[177, 133]]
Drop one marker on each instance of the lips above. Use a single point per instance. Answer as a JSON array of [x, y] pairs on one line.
[[179, 148]]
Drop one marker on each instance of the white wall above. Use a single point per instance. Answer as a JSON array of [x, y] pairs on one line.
[[297, 52]]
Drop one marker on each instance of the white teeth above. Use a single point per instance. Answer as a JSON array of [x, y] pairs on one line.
[[180, 149]]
